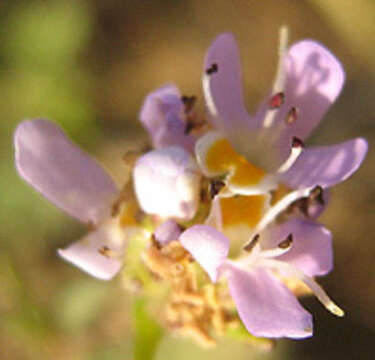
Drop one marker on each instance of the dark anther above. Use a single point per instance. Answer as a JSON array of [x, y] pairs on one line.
[[291, 116], [189, 126], [286, 243], [189, 102], [303, 206], [297, 142], [215, 187], [212, 69], [276, 100], [317, 194], [105, 251], [251, 244], [155, 243]]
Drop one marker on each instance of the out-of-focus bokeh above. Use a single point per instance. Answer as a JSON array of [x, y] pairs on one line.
[[88, 64]]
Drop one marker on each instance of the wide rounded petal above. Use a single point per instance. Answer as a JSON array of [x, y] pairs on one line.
[[208, 246], [168, 231], [162, 115], [314, 79], [100, 252], [266, 307], [222, 86], [62, 172], [167, 183], [326, 165], [311, 250]]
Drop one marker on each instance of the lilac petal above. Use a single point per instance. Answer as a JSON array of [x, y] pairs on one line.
[[208, 246], [311, 249], [314, 79], [162, 115], [167, 183], [99, 253], [223, 88], [168, 231], [62, 172], [326, 165], [266, 307]]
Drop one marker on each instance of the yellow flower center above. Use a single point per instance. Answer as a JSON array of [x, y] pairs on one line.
[[242, 210], [222, 158]]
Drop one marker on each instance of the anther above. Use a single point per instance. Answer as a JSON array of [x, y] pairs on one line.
[[212, 69], [285, 244], [189, 102], [215, 187], [317, 194], [291, 116], [189, 127], [155, 242], [297, 143], [297, 147], [276, 100], [105, 251], [251, 244]]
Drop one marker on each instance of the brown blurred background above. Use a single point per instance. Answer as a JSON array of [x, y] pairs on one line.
[[88, 64]]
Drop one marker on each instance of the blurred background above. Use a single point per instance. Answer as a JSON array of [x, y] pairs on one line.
[[88, 64]]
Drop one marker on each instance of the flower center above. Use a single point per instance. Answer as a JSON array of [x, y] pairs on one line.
[[222, 158], [243, 210]]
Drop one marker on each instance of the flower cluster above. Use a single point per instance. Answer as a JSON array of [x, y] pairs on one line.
[[234, 194]]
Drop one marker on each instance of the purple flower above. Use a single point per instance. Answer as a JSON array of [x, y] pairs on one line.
[[265, 305], [258, 153], [255, 170]]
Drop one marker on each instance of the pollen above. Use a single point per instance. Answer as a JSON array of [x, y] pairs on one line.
[[194, 309]]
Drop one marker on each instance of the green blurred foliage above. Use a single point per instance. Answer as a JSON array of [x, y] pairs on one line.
[[87, 64], [147, 332]]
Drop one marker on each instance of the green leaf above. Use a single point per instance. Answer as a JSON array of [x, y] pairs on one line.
[[147, 332]]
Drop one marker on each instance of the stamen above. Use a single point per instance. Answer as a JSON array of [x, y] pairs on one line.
[[296, 150], [291, 116], [297, 143], [276, 100], [316, 194], [189, 127], [285, 244], [210, 103], [212, 69], [251, 244], [189, 102], [291, 271], [215, 187], [322, 296], [280, 206], [106, 251], [155, 243], [283, 45], [279, 83]]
